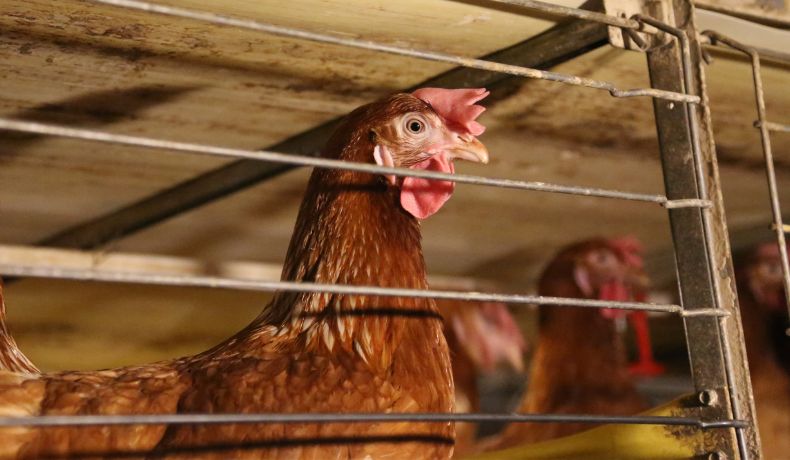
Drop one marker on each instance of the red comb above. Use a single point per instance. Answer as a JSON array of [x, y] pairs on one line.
[[456, 106], [630, 249]]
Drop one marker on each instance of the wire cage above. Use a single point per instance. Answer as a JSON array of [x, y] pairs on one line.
[[693, 200]]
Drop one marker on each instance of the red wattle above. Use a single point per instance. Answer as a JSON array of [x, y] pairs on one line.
[[616, 291], [423, 197]]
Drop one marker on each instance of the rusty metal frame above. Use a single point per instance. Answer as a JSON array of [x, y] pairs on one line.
[[717, 353], [702, 251], [765, 128]]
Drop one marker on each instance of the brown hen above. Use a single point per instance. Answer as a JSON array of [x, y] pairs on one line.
[[307, 352], [764, 316], [580, 364]]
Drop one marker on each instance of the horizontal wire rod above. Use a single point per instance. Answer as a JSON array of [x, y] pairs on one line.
[[110, 260], [276, 157], [560, 10], [294, 286], [771, 126], [374, 46], [182, 419]]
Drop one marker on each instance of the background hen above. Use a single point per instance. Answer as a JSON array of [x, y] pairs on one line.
[[764, 316], [481, 335], [580, 363], [307, 352]]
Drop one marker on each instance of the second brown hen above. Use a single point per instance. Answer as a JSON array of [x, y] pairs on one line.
[[580, 364]]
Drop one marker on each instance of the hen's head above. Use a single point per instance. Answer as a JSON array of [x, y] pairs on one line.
[[425, 130], [764, 277], [603, 269]]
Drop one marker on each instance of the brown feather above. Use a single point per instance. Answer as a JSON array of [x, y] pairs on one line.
[[579, 365], [307, 352], [11, 358]]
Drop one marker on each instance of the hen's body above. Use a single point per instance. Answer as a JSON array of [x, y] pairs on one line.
[[579, 367], [307, 352], [580, 364]]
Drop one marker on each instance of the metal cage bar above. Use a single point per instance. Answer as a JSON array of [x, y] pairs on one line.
[[556, 45], [716, 351], [55, 272], [698, 227], [778, 127], [765, 127], [284, 158], [559, 10], [421, 54], [185, 419]]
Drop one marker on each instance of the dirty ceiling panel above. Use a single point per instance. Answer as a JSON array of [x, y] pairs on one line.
[[89, 65]]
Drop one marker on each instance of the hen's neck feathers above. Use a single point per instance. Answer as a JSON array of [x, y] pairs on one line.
[[352, 230]]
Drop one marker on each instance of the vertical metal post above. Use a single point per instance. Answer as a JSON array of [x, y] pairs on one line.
[[705, 274]]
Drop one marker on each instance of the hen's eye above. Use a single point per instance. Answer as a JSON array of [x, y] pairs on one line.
[[603, 257], [415, 126]]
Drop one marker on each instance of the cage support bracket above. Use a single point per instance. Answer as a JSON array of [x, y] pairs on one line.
[[647, 36], [702, 252]]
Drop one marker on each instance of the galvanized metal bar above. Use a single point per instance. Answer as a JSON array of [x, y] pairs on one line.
[[765, 136], [701, 245], [552, 47], [770, 126], [277, 157], [87, 274], [189, 419], [769, 16], [472, 63], [126, 262], [564, 11]]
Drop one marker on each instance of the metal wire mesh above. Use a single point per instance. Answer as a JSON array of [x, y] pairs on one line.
[[288, 286], [187, 419], [428, 55], [687, 97], [765, 128], [275, 157]]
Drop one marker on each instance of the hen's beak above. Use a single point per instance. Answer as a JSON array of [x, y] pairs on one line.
[[467, 147]]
